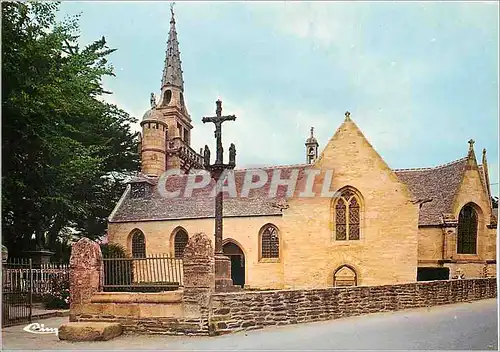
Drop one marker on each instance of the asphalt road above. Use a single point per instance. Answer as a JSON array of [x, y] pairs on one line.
[[465, 326]]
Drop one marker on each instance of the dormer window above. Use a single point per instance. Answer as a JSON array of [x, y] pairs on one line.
[[138, 190]]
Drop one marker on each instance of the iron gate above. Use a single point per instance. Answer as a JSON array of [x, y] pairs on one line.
[[17, 292]]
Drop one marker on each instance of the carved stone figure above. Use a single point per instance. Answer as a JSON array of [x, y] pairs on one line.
[[153, 100], [232, 154], [206, 156]]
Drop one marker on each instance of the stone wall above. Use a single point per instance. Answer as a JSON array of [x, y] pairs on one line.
[[250, 310]]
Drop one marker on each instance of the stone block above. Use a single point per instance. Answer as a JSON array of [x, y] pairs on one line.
[[89, 331]]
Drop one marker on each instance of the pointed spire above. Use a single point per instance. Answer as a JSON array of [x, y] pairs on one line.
[[172, 72], [486, 174]]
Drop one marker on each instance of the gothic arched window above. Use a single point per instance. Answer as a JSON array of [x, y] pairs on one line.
[[347, 216], [269, 242], [467, 230], [345, 276], [180, 241], [138, 245]]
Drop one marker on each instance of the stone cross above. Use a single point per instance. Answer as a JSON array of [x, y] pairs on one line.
[[217, 121], [222, 263], [471, 143]]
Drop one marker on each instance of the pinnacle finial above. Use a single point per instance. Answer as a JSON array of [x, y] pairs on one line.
[[347, 115], [471, 144], [172, 9], [484, 151], [312, 131]]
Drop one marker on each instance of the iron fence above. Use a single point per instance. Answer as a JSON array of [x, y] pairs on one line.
[[155, 273], [17, 288]]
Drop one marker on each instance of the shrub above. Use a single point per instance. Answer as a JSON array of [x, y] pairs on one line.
[[116, 272], [57, 296]]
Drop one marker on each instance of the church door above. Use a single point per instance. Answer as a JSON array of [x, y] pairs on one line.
[[234, 252]]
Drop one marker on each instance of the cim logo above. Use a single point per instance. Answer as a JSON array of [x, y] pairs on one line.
[[36, 328]]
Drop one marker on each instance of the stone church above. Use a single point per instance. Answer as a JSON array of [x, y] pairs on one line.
[[384, 226]]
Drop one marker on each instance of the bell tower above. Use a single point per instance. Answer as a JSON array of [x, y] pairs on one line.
[[173, 145], [311, 148]]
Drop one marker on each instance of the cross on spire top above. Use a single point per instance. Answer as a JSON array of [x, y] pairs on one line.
[[172, 8], [471, 143]]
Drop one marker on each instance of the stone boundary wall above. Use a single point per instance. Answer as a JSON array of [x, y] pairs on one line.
[[237, 311], [153, 325]]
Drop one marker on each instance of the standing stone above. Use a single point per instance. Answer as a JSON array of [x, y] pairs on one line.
[[199, 274], [86, 274]]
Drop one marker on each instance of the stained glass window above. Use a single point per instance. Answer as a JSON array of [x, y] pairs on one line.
[[347, 217], [138, 245], [341, 216], [270, 242], [467, 230], [180, 242]]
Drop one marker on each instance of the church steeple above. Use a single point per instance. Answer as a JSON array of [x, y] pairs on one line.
[[172, 71], [172, 83]]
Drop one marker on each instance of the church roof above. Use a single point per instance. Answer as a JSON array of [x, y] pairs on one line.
[[200, 205], [438, 185]]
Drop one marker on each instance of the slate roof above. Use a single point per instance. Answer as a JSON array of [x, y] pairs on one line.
[[438, 183], [200, 205]]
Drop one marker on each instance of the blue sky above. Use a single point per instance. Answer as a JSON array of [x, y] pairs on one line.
[[419, 78]]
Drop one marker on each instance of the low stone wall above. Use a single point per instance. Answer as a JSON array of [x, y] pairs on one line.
[[153, 325], [231, 312], [146, 313]]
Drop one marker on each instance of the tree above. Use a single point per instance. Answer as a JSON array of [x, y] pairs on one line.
[[65, 152]]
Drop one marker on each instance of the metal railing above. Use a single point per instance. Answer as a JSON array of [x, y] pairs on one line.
[[19, 275], [154, 273], [17, 288]]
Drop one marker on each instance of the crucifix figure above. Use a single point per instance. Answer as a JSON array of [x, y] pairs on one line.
[[217, 121]]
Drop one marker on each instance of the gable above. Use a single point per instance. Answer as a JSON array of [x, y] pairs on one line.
[[472, 189], [352, 157]]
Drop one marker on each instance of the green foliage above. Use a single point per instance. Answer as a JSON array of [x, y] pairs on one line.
[[117, 272], [58, 296], [65, 152], [113, 250]]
